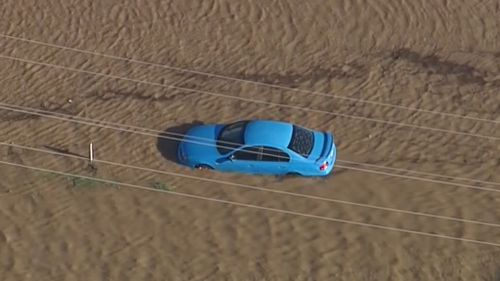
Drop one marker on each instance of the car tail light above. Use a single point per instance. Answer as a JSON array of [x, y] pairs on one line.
[[323, 166]]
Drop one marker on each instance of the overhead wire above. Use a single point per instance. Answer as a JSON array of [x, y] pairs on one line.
[[295, 107], [225, 77], [275, 210], [167, 135], [314, 110], [254, 187], [88, 121]]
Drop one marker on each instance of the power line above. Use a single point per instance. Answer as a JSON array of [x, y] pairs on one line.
[[306, 109], [207, 74], [421, 179], [260, 188], [459, 116], [116, 127], [276, 210], [420, 173], [165, 135]]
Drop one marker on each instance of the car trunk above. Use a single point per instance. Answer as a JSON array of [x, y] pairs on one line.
[[322, 150]]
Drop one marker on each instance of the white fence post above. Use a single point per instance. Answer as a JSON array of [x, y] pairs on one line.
[[91, 152]]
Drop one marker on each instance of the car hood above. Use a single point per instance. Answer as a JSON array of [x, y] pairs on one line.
[[200, 141]]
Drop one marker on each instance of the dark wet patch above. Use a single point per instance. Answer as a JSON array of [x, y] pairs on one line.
[[293, 80], [433, 64]]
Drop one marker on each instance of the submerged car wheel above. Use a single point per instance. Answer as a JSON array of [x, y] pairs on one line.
[[203, 167], [288, 176]]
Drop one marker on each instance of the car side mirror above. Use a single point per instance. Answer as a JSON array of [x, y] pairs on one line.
[[225, 159]]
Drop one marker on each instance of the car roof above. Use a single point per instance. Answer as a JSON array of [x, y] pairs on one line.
[[268, 133]]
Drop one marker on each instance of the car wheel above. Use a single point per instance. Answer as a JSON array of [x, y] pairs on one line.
[[203, 167], [293, 174]]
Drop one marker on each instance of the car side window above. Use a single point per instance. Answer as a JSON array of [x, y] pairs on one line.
[[270, 154], [247, 154]]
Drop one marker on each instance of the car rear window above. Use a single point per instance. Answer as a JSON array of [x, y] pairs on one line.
[[231, 137], [302, 141]]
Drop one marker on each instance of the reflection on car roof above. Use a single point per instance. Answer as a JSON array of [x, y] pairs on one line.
[[268, 133]]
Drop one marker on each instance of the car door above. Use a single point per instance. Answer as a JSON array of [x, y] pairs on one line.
[[241, 160], [273, 161]]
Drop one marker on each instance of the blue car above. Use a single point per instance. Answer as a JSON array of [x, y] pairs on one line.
[[262, 147]]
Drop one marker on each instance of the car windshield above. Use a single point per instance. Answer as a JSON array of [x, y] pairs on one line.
[[231, 137], [302, 141]]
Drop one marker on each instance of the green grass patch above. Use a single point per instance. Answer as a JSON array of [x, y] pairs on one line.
[[160, 186], [78, 182], [84, 183], [46, 175]]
